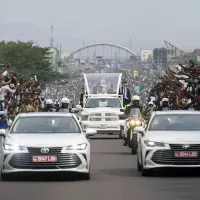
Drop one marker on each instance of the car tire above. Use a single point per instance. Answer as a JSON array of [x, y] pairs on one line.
[[134, 144], [139, 166]]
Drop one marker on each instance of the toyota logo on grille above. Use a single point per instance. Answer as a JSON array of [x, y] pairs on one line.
[[44, 150], [185, 146]]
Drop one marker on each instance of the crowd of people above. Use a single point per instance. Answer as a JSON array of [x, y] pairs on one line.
[[70, 88], [179, 88], [17, 96]]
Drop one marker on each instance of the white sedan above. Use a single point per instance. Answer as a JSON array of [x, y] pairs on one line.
[[171, 140], [45, 142]]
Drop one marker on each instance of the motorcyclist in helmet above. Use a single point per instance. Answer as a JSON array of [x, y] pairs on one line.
[[57, 103], [64, 105], [148, 111], [129, 110], [164, 104], [134, 104], [48, 106]]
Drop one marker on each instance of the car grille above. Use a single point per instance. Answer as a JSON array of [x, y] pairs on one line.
[[178, 147], [64, 161], [95, 119], [111, 119], [103, 117], [166, 157], [52, 151], [95, 115]]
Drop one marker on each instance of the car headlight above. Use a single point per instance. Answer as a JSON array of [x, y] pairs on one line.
[[84, 117], [138, 122], [154, 144], [10, 147], [77, 147], [132, 123]]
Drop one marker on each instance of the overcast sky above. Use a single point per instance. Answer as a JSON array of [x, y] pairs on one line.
[[147, 22]]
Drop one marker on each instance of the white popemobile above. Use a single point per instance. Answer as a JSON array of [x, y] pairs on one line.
[[102, 103]]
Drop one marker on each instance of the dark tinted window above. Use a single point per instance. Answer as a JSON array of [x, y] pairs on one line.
[[175, 122], [46, 124]]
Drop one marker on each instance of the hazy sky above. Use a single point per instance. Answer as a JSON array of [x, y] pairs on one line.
[[147, 22]]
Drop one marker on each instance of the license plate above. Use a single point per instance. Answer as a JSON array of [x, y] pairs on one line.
[[186, 154], [103, 126], [44, 159]]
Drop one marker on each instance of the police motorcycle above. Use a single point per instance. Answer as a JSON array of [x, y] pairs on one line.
[[134, 121], [130, 136]]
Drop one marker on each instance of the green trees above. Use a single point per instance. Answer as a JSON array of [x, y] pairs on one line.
[[28, 60]]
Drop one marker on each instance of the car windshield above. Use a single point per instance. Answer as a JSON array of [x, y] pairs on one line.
[[103, 102], [175, 122], [45, 124]]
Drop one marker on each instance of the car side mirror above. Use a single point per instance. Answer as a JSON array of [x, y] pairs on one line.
[[140, 130], [75, 111], [2, 133], [90, 132], [121, 110]]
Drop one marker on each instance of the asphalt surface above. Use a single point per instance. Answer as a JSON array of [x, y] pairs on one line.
[[113, 177]]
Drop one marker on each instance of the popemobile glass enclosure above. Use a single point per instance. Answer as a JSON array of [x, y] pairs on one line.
[[98, 84]]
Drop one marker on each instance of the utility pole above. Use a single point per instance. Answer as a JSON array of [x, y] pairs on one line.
[[51, 39], [60, 51]]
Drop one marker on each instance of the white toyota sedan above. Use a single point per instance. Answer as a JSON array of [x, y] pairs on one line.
[[171, 139], [45, 142]]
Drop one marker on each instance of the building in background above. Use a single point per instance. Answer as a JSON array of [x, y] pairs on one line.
[[160, 57], [146, 55], [197, 54]]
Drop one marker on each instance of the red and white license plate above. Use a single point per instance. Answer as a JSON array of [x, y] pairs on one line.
[[186, 154], [44, 159]]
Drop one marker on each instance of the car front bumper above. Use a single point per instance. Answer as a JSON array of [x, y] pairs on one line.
[[163, 157], [102, 127], [67, 162]]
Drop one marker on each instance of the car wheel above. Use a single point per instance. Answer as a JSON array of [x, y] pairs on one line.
[[134, 144], [139, 166]]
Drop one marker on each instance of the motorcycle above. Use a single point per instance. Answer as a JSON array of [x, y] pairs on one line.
[[129, 135], [131, 123]]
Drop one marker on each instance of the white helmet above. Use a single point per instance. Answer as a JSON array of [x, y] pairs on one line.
[[150, 103], [65, 100], [135, 98], [49, 101], [165, 99]]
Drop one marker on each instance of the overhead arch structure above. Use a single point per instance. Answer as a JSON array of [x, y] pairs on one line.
[[102, 44]]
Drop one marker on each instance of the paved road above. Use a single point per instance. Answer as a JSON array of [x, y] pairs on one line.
[[114, 177]]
